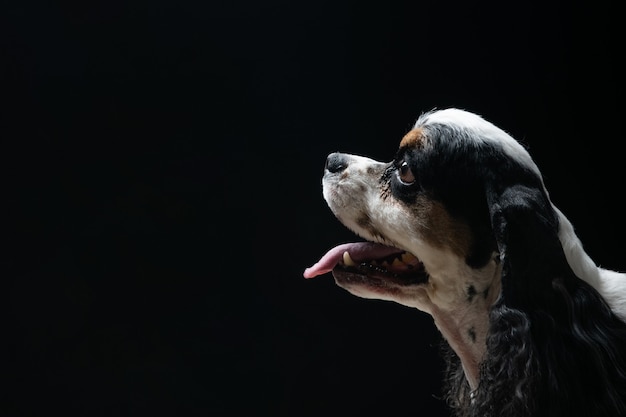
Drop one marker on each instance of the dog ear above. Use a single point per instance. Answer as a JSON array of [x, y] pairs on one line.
[[526, 228], [546, 320]]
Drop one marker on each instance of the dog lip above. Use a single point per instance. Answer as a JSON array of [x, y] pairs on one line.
[[359, 252], [373, 275]]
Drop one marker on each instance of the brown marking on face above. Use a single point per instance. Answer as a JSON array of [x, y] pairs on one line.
[[365, 222], [440, 229], [413, 139]]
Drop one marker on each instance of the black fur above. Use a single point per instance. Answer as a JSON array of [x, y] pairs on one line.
[[554, 348]]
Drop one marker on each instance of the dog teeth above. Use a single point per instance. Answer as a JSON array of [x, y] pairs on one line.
[[408, 258], [347, 260], [398, 263]]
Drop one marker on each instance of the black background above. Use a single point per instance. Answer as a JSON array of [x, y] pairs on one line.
[[161, 165]]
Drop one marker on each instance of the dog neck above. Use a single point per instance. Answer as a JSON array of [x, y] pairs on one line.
[[468, 339], [465, 326]]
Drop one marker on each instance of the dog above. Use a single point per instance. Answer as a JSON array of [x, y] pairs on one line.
[[460, 226]]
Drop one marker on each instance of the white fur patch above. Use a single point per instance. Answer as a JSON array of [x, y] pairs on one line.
[[479, 129]]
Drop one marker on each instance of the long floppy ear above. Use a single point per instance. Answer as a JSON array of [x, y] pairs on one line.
[[526, 231], [554, 345]]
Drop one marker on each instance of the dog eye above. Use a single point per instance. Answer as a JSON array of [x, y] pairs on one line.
[[405, 174]]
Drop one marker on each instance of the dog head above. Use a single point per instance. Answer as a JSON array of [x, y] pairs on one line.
[[436, 217]]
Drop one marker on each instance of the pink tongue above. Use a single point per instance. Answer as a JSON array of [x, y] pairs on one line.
[[359, 252]]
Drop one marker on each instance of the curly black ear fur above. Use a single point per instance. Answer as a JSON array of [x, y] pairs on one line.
[[554, 348]]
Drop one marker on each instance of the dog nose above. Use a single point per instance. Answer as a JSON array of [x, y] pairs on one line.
[[336, 162]]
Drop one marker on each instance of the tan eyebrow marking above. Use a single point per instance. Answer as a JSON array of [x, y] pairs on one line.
[[413, 139]]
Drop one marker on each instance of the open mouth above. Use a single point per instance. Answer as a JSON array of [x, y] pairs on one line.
[[363, 260]]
